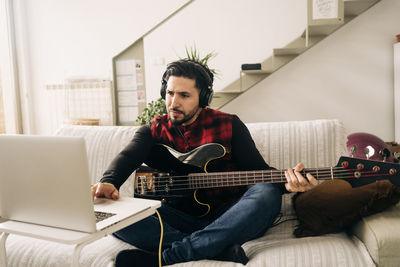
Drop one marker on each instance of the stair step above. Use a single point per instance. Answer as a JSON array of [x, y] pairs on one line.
[[232, 88], [255, 72], [289, 51], [280, 60], [326, 29], [317, 36], [322, 30], [220, 99], [356, 7]]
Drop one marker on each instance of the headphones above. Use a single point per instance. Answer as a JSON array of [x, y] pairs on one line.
[[206, 91]]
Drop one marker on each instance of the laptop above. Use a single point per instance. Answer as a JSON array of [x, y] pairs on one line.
[[45, 180]]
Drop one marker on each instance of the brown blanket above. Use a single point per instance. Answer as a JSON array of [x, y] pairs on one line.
[[334, 205]]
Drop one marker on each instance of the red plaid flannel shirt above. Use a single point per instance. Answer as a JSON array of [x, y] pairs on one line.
[[211, 126]]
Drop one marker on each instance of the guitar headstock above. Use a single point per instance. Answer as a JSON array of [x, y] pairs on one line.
[[369, 168], [369, 146]]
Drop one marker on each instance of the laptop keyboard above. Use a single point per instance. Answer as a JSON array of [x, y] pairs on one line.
[[102, 215]]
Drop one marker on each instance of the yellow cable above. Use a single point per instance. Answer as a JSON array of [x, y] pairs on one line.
[[161, 239], [203, 204]]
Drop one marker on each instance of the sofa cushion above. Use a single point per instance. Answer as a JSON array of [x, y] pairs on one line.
[[103, 143], [381, 236], [335, 205], [278, 247], [316, 143]]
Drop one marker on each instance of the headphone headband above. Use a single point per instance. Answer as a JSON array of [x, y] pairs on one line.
[[188, 68]]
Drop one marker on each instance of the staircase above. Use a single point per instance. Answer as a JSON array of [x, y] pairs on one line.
[[315, 31]]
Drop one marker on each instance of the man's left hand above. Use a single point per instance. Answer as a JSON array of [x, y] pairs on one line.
[[296, 182]]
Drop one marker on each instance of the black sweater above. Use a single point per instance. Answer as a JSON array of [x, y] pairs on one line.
[[244, 153]]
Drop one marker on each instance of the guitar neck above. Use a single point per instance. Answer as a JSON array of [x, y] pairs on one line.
[[347, 167], [239, 178]]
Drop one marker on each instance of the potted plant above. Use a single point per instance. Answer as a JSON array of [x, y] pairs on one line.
[[153, 109]]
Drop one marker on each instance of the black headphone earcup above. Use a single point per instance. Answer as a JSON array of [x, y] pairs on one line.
[[163, 89], [210, 96], [205, 97]]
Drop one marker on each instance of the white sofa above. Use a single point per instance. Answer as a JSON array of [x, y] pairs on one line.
[[316, 143]]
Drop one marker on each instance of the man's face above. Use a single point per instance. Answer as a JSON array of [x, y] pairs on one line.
[[182, 99]]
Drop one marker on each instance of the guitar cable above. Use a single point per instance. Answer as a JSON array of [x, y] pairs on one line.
[[161, 239]]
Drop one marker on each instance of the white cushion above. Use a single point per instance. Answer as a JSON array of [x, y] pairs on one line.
[[316, 143], [103, 143], [380, 234]]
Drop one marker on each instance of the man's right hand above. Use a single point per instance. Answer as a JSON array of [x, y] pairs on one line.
[[106, 190]]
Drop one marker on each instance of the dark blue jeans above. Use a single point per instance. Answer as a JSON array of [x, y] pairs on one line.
[[187, 238]]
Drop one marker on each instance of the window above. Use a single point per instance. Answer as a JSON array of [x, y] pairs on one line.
[[10, 111]]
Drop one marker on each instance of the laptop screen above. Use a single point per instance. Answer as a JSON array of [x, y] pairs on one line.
[[45, 180]]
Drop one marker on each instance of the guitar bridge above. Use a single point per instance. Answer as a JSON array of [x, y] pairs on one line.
[[144, 185], [150, 184]]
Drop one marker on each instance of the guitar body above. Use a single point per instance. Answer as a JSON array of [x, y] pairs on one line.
[[169, 162], [166, 159]]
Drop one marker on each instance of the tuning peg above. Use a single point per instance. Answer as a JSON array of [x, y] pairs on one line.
[[353, 150], [396, 156], [384, 153], [366, 152]]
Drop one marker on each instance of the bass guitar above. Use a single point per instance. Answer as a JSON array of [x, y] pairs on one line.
[[184, 175]]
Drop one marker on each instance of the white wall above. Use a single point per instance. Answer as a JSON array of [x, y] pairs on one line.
[[67, 38], [238, 31], [349, 76]]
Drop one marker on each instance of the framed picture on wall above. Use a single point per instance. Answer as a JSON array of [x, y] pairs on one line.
[[130, 94], [322, 12]]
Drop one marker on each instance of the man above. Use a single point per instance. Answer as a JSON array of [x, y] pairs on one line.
[[243, 214]]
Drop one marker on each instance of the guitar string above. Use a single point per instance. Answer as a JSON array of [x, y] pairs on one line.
[[253, 180], [263, 173], [162, 189], [246, 175], [185, 185], [218, 176]]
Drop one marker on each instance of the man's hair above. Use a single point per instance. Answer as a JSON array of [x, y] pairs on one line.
[[191, 69]]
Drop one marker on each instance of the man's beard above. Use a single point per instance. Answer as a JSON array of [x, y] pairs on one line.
[[185, 118]]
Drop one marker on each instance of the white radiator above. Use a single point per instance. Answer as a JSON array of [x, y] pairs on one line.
[[88, 103]]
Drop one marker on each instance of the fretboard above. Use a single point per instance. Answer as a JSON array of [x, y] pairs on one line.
[[238, 178]]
